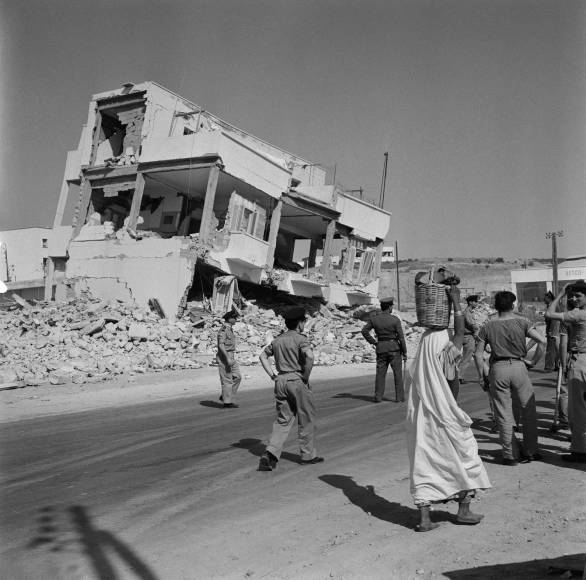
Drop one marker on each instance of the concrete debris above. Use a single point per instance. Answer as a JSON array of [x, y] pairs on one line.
[[86, 340]]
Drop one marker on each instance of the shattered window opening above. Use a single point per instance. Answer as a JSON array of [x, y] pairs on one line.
[[120, 134], [114, 209]]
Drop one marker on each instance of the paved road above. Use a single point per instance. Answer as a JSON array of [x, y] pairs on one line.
[[84, 495]]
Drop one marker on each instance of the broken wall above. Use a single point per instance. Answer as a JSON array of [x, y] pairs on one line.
[[149, 268]]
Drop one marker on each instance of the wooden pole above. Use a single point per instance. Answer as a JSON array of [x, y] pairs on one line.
[[397, 273]]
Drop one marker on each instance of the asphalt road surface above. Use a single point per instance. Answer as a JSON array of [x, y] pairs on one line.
[[170, 489]]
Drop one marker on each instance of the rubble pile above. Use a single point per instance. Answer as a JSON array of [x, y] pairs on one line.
[[88, 340]]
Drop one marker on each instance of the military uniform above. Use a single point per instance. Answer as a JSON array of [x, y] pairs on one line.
[[293, 395], [390, 350], [230, 376]]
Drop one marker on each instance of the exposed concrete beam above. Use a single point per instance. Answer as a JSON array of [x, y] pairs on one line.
[[105, 172], [273, 231], [136, 201], [122, 101], [327, 255], [208, 205], [178, 164]]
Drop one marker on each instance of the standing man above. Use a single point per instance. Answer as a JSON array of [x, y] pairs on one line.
[[390, 348], [229, 368], [575, 322], [294, 398], [472, 325], [552, 334]]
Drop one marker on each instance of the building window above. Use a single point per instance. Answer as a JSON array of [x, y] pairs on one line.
[[45, 243]]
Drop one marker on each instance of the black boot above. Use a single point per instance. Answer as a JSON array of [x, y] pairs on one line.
[[267, 462]]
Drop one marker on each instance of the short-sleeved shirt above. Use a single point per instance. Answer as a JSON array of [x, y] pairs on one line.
[[227, 338], [388, 330], [289, 350], [575, 321], [506, 337]]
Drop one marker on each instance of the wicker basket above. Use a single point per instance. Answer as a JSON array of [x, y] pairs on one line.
[[432, 304]]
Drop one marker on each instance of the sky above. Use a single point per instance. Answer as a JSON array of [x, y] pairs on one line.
[[479, 103]]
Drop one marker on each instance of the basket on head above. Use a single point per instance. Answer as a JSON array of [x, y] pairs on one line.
[[432, 304]]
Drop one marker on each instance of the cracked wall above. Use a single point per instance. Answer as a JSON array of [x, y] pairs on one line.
[[151, 268]]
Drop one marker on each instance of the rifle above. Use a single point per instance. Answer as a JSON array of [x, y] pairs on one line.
[[558, 394]]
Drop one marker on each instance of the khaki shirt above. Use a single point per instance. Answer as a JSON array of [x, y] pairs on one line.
[[289, 350], [227, 338]]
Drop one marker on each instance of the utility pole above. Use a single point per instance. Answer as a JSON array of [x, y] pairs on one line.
[[397, 273], [383, 184], [554, 256]]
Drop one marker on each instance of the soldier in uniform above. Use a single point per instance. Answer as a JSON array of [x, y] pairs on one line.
[[228, 366], [294, 398], [390, 348]]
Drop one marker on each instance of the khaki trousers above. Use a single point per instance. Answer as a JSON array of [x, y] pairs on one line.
[[577, 402], [230, 379], [293, 399], [509, 380]]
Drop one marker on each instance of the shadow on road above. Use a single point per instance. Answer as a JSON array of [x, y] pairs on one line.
[[366, 499], [257, 448], [101, 547], [213, 404], [367, 398], [564, 567]]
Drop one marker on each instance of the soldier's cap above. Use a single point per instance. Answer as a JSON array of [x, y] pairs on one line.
[[387, 300], [294, 313], [231, 314]]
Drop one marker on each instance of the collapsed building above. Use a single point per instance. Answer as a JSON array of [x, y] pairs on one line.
[[167, 192]]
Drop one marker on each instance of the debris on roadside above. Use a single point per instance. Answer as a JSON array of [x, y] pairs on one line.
[[88, 340]]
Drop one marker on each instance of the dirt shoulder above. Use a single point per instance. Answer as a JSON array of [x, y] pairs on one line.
[[28, 402]]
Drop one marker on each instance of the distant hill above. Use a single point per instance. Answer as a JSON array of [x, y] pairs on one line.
[[478, 276]]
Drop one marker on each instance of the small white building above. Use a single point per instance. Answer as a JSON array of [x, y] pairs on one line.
[[531, 284], [388, 255], [22, 260]]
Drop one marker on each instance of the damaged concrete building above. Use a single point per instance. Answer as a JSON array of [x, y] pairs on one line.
[[165, 190]]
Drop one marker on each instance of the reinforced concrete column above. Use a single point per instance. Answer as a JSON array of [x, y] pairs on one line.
[[312, 254], [208, 204], [136, 201], [378, 258], [85, 193], [328, 244], [273, 232]]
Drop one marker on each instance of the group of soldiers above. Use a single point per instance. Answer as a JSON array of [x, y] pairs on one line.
[[293, 359]]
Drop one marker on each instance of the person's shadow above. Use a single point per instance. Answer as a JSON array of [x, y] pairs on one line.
[[213, 404], [367, 398], [374, 505], [257, 448]]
